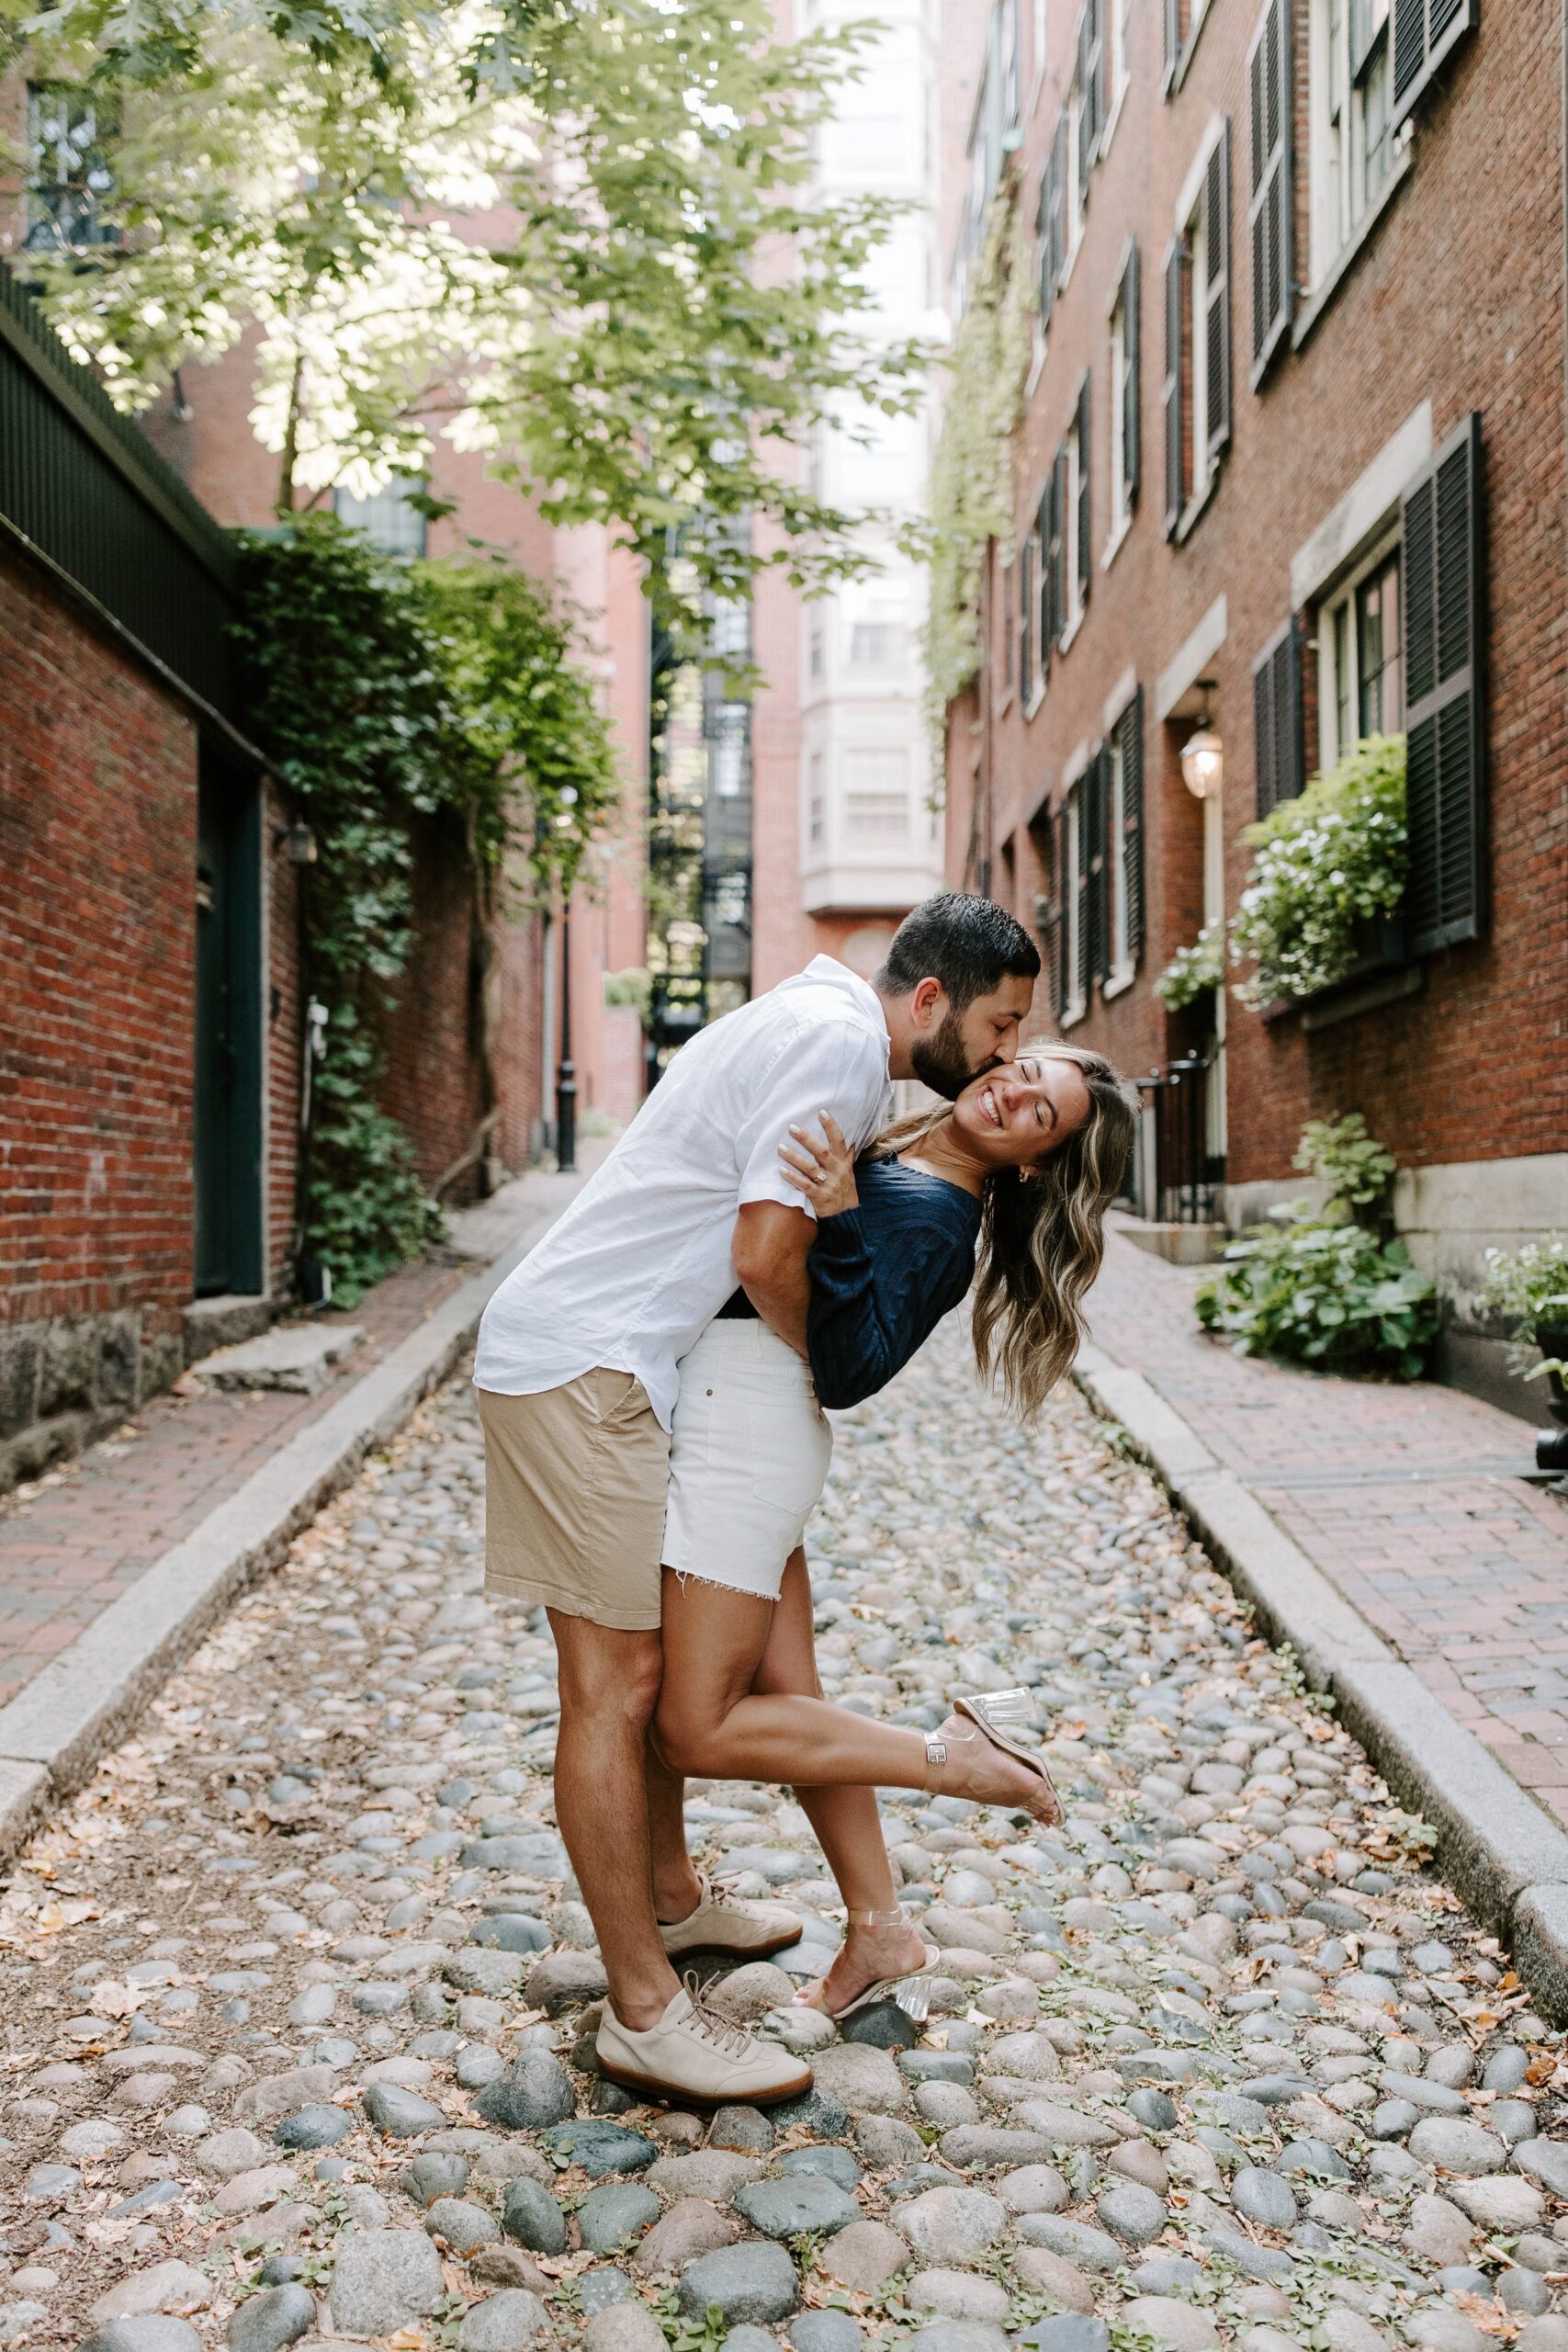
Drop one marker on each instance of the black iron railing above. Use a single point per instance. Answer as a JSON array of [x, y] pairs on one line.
[[85, 491], [1182, 1186]]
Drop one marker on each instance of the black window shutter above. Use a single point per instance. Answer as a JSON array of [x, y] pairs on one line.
[[1044, 583], [1277, 719], [1269, 206], [1170, 392], [1058, 544], [1171, 41], [1026, 621], [1066, 885], [1090, 86], [1425, 31], [1445, 736], [1047, 256], [1096, 796], [1130, 393], [1130, 727], [1081, 884], [1086, 497], [1101, 77], [1217, 292]]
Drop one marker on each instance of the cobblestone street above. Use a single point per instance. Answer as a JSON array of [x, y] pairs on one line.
[[299, 1992]]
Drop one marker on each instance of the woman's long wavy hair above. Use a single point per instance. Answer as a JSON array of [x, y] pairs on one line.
[[1042, 1230]]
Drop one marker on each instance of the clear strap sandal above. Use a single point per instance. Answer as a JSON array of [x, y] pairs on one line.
[[995, 1715], [911, 1993]]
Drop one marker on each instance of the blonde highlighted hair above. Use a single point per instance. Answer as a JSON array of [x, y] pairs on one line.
[[1042, 1230]]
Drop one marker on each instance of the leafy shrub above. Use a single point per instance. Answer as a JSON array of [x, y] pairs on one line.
[[1330, 1296], [1356, 1170], [1334, 856], [1332, 1291], [1530, 1287], [1192, 969]]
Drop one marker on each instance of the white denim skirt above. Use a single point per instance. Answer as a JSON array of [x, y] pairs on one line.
[[749, 1448]]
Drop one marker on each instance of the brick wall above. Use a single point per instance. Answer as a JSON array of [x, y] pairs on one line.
[[1455, 297], [98, 863]]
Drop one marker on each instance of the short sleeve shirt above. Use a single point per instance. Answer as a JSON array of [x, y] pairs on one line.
[[642, 1261]]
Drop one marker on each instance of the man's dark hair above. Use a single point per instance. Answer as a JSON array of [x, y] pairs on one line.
[[969, 944]]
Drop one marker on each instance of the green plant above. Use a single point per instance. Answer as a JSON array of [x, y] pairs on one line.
[[1356, 1170], [1192, 969], [1530, 1285], [543, 232], [633, 988], [1332, 857], [394, 700], [1331, 1295], [971, 478]]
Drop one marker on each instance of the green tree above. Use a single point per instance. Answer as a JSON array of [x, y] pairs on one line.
[[578, 238]]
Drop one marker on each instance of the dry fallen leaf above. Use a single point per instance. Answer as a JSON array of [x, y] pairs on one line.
[[113, 2000]]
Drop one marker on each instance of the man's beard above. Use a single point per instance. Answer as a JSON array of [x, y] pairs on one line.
[[938, 1060]]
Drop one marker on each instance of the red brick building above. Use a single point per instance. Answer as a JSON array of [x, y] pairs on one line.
[[1291, 455]]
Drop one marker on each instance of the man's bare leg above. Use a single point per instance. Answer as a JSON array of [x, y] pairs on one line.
[[677, 1890], [609, 1687]]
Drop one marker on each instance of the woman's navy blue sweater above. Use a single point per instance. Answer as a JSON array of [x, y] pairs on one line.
[[884, 1274]]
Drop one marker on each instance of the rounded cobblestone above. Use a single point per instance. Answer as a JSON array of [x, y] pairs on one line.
[[1222, 2008]]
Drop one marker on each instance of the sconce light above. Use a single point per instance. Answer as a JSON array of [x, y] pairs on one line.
[[300, 841], [1204, 756]]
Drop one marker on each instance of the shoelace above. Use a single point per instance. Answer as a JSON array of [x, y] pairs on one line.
[[732, 2039]]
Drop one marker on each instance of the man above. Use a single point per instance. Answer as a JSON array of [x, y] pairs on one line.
[[577, 1370]]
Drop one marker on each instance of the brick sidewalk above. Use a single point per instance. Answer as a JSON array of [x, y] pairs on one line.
[[72, 1541], [1405, 1497]]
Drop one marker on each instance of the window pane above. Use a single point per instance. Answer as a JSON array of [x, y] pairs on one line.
[[387, 519], [70, 175], [1344, 731], [1380, 697]]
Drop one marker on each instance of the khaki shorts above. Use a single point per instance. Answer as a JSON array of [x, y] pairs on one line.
[[575, 1483]]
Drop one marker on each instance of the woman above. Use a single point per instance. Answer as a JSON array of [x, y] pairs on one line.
[[1021, 1167]]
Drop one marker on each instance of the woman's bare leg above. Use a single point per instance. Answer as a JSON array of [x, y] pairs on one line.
[[711, 1723], [848, 1826]]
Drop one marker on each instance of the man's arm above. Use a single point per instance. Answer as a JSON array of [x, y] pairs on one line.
[[771, 1248]]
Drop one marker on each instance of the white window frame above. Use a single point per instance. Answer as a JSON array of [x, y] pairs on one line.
[[1197, 288], [1339, 197], [1072, 194], [1341, 599], [1118, 71], [816, 803]]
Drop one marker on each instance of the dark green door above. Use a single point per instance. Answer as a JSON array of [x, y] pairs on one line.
[[228, 1033]]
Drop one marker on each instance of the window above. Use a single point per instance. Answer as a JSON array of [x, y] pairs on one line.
[[816, 800], [876, 797], [815, 642], [1119, 71], [1089, 91], [1007, 592], [1124, 450], [70, 178], [1072, 935], [1026, 619], [1125, 795], [1078, 527], [391, 523], [1351, 129], [1196, 397], [875, 645], [1360, 660]]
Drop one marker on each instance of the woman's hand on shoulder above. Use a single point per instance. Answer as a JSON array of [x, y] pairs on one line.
[[823, 1167]]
